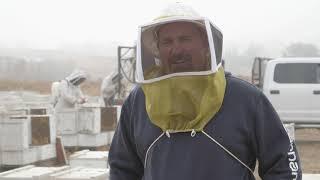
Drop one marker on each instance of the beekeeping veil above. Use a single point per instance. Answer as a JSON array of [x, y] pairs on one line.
[[184, 90], [77, 77]]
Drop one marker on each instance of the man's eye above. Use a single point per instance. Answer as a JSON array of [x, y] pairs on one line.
[[185, 39], [165, 42]]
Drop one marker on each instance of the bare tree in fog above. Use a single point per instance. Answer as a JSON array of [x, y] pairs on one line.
[[301, 50]]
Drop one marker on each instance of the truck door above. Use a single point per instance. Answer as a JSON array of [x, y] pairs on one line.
[[294, 91]]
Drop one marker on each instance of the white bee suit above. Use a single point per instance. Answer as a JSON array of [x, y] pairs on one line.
[[69, 91]]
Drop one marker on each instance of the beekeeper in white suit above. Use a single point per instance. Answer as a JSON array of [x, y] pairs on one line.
[[68, 93], [110, 87]]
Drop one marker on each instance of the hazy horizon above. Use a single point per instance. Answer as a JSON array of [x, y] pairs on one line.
[[97, 27], [47, 24]]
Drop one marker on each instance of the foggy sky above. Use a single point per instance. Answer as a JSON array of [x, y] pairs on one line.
[[54, 24]]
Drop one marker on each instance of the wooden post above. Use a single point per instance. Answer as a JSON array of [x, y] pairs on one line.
[[61, 154]]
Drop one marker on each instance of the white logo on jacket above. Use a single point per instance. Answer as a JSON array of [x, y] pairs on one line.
[[293, 164]]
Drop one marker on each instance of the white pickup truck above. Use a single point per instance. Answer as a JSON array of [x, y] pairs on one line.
[[292, 86]]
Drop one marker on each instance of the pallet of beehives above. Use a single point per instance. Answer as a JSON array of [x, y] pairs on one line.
[[81, 173], [31, 173], [87, 158]]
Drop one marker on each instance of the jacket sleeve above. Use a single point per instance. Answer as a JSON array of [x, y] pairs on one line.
[[277, 154], [123, 159]]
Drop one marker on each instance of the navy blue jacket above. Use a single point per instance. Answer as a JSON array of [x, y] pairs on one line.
[[247, 125]]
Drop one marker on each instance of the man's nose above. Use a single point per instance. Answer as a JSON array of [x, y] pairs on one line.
[[176, 48]]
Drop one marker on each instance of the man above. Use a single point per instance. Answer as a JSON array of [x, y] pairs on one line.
[[67, 92], [190, 120], [109, 88]]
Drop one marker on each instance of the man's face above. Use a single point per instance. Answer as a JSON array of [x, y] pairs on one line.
[[183, 47]]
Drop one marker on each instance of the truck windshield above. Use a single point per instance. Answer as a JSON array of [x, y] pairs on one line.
[[306, 73]]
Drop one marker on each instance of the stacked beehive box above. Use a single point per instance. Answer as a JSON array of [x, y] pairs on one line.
[[31, 173], [27, 137], [87, 126]]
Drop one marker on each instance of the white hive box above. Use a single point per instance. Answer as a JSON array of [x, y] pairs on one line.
[[86, 158], [311, 176], [27, 139], [88, 125], [82, 119], [93, 140], [69, 140], [20, 132], [31, 173], [27, 156], [21, 157], [89, 121], [66, 121], [14, 133], [81, 173], [93, 119], [86, 140]]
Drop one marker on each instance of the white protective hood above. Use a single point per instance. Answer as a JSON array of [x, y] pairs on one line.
[[148, 58], [75, 76]]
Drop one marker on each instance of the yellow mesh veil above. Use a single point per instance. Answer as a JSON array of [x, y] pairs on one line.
[[185, 103]]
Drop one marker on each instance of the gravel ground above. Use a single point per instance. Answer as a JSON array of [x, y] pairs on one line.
[[308, 143]]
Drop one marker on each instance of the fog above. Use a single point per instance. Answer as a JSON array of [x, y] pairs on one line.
[[94, 28]]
